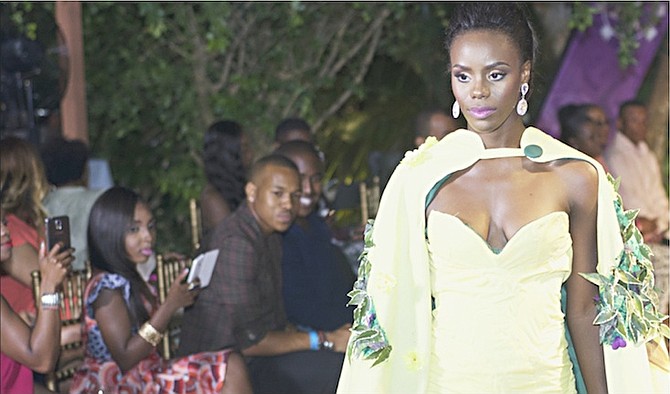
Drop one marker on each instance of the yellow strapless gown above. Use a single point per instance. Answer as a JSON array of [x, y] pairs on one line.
[[497, 322]]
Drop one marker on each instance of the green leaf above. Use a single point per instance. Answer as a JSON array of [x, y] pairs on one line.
[[604, 316], [582, 16], [356, 297], [595, 278], [358, 313], [382, 355], [632, 214], [627, 278], [366, 335], [639, 325], [664, 330]]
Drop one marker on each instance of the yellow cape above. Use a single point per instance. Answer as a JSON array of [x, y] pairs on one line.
[[399, 279]]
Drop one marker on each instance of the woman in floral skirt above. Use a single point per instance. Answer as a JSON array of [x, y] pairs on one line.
[[124, 322]]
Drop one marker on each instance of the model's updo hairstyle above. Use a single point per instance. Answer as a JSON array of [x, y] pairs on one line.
[[511, 19]]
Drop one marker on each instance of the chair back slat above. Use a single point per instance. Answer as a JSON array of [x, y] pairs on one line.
[[160, 272], [196, 223], [37, 292], [369, 199], [71, 297]]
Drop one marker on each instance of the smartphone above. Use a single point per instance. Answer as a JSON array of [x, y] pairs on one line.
[[57, 229]]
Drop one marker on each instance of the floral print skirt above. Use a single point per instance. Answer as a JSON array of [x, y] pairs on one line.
[[197, 373]]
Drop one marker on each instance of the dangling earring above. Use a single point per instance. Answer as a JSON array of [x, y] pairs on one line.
[[522, 105], [456, 110]]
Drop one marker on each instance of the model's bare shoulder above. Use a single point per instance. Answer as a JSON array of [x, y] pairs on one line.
[[581, 180]]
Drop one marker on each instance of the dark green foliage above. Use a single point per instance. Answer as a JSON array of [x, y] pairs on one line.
[[158, 73]]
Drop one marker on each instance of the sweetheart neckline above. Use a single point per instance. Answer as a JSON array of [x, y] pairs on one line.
[[510, 240]]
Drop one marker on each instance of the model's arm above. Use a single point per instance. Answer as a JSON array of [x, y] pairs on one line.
[[581, 310], [36, 348], [113, 318]]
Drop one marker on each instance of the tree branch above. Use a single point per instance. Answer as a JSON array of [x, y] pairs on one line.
[[375, 26], [201, 82], [365, 66], [233, 49], [335, 45]]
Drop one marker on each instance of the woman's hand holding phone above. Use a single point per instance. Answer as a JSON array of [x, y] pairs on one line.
[[182, 293], [54, 266]]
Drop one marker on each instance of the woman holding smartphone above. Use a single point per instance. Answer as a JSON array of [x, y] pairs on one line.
[[123, 320], [25, 348], [24, 185]]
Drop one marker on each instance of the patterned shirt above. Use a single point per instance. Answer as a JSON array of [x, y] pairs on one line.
[[95, 344], [244, 298]]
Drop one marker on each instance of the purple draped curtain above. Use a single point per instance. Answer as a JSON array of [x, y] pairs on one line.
[[590, 71]]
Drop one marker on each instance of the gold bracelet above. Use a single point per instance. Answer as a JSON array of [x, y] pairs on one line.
[[150, 334]]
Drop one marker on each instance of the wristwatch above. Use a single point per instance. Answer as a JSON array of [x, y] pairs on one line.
[[50, 300], [325, 343], [328, 345]]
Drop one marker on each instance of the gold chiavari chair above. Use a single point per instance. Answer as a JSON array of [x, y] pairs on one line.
[[196, 224], [369, 197], [167, 271]]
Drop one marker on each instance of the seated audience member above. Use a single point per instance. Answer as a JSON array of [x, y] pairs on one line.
[[585, 128], [629, 158], [23, 184], [243, 305], [227, 156], [123, 320], [316, 275], [65, 165], [297, 129], [430, 122], [26, 348], [434, 122]]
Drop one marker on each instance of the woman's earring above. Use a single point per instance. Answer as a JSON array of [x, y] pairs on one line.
[[456, 110], [522, 105]]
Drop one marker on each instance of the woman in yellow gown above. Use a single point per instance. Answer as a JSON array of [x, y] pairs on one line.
[[477, 237]]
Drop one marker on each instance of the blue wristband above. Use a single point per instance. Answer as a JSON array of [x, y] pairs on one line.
[[313, 340]]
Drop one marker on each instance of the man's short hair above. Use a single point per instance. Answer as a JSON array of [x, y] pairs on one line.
[[571, 118], [422, 124], [64, 160], [298, 147], [271, 160], [290, 124], [630, 103]]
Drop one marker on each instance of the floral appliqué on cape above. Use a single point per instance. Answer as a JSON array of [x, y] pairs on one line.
[[627, 303]]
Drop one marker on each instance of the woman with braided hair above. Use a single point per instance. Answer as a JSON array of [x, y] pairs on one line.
[[226, 156]]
